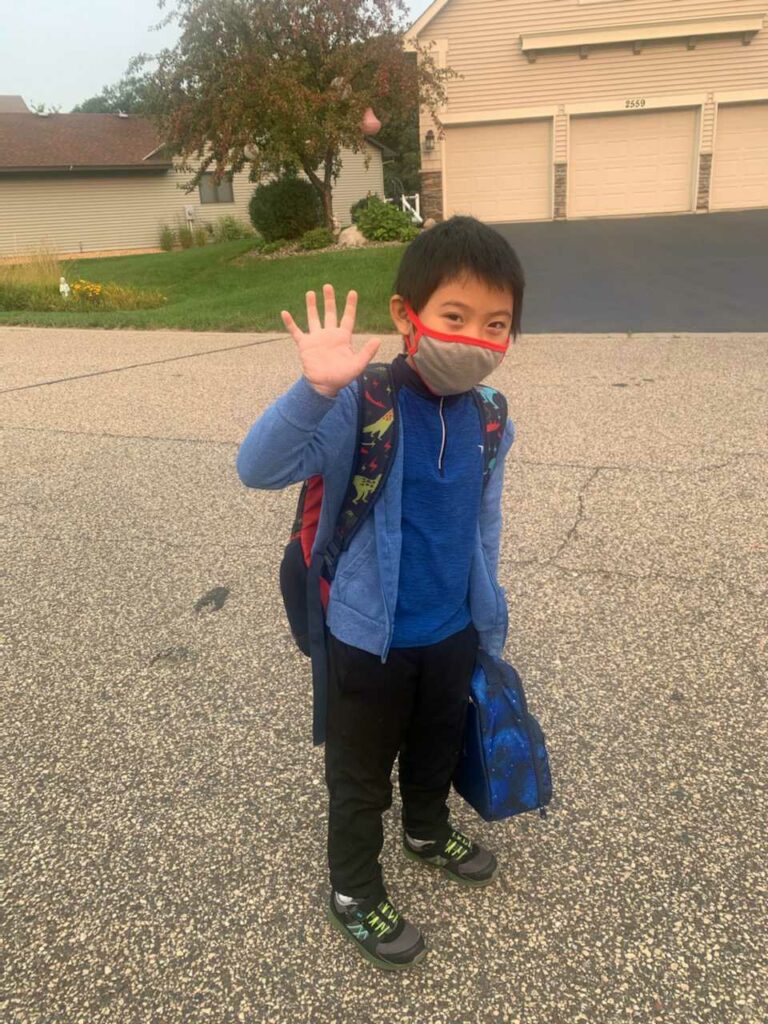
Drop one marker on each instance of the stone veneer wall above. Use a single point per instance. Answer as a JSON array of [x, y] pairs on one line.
[[561, 191], [705, 174], [432, 194]]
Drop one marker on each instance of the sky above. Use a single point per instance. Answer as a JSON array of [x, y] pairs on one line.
[[61, 52]]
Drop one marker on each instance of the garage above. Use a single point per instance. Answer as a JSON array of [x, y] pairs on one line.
[[740, 157], [500, 172], [629, 164]]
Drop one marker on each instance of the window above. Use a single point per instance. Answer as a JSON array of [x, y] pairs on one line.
[[210, 192]]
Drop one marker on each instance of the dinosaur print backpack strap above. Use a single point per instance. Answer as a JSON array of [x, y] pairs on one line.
[[377, 431], [492, 406]]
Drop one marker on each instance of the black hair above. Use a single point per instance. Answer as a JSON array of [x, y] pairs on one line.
[[455, 247]]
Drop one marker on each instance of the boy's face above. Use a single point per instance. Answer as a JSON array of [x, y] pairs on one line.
[[478, 317], [464, 306]]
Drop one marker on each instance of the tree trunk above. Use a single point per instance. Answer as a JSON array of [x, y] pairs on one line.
[[328, 208], [325, 191]]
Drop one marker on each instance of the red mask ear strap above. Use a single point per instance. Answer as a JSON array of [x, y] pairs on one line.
[[413, 346]]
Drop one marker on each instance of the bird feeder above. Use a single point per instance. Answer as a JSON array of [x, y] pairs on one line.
[[371, 124]]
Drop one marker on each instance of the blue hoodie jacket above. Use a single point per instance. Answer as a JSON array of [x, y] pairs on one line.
[[303, 434]]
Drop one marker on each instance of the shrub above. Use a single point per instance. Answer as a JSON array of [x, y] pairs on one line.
[[270, 247], [286, 208], [383, 222], [200, 236], [230, 229], [166, 238], [317, 238], [184, 235], [359, 206]]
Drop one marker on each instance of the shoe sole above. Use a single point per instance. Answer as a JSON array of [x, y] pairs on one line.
[[376, 961], [472, 883]]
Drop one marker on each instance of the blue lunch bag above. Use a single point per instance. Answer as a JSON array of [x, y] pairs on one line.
[[503, 767]]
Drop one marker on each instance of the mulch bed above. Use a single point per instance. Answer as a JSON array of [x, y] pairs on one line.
[[292, 249]]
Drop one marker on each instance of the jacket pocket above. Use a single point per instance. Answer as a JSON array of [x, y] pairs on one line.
[[356, 557]]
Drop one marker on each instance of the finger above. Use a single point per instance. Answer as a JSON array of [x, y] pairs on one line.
[[330, 306], [348, 320], [291, 326], [313, 320], [366, 353]]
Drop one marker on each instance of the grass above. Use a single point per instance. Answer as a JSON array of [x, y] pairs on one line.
[[210, 289]]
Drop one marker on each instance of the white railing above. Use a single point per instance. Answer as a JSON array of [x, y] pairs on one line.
[[410, 204]]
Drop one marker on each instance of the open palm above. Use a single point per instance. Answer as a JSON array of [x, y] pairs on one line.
[[328, 360]]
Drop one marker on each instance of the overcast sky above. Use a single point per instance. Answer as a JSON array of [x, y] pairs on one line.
[[60, 52]]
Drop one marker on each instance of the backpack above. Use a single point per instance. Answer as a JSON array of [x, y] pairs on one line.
[[305, 581], [503, 768]]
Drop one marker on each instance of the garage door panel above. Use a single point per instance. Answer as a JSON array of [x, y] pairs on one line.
[[627, 164], [740, 159], [500, 172]]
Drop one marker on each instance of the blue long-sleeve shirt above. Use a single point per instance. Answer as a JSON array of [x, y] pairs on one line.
[[442, 491]]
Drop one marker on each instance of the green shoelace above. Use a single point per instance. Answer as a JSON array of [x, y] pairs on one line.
[[382, 918]]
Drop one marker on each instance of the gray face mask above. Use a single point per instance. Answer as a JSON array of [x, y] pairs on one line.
[[450, 364]]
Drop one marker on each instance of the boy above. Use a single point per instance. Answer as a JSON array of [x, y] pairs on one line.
[[415, 593]]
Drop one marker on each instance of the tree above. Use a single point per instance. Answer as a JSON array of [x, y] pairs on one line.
[[42, 108], [285, 83], [129, 96], [401, 135]]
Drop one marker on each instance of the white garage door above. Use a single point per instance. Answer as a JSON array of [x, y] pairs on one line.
[[627, 164], [500, 172], [740, 161]]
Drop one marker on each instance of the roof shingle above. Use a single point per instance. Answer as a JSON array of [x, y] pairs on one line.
[[78, 142]]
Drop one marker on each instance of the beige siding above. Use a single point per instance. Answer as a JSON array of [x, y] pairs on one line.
[[88, 213], [740, 165], [484, 45], [355, 181]]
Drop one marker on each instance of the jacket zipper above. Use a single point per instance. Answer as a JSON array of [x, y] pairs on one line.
[[442, 446]]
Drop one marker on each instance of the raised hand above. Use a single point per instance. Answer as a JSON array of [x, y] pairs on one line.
[[328, 360]]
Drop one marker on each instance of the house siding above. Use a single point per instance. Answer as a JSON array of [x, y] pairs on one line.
[[98, 212], [482, 42], [484, 45]]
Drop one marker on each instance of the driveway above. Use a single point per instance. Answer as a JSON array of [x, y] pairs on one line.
[[692, 273], [166, 833]]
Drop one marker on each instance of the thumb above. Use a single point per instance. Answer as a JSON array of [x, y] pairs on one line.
[[367, 352]]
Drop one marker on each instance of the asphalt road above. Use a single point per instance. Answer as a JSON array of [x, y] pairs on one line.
[[165, 828], [691, 273]]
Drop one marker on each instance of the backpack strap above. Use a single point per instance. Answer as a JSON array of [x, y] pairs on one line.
[[377, 432], [492, 406]]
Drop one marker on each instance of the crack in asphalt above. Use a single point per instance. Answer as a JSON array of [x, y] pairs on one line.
[[133, 366], [661, 576], [581, 514]]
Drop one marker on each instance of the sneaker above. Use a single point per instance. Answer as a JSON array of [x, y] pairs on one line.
[[380, 934], [461, 859]]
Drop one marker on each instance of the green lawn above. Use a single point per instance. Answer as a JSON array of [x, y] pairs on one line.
[[208, 291]]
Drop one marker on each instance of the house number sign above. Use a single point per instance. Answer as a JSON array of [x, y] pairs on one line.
[[634, 103]]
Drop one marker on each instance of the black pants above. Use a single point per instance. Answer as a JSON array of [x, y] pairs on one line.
[[414, 704]]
